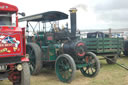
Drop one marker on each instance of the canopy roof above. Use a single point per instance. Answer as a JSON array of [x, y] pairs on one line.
[[45, 17], [7, 7]]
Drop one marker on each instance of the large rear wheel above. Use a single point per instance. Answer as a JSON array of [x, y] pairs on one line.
[[93, 65], [65, 68], [34, 52]]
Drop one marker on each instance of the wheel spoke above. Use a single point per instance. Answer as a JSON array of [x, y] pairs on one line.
[[86, 69], [92, 70], [88, 72]]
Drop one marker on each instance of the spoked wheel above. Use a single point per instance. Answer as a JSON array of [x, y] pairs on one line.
[[34, 52], [65, 68], [93, 65], [24, 75]]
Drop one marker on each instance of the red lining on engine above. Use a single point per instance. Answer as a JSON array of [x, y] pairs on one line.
[[81, 54], [79, 44]]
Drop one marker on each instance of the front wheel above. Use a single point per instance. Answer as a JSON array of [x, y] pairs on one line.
[[24, 75], [65, 68], [93, 65]]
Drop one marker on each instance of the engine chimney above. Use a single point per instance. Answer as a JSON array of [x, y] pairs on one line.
[[73, 21]]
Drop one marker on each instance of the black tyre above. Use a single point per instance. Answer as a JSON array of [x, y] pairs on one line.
[[34, 52], [125, 48], [65, 68], [93, 65], [125, 52], [25, 75], [111, 59]]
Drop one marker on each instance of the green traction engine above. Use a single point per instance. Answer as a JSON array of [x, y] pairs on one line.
[[62, 49]]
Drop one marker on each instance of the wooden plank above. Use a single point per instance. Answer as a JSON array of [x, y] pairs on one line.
[[104, 45]]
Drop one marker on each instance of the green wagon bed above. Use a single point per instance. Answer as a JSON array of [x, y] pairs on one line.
[[106, 47]]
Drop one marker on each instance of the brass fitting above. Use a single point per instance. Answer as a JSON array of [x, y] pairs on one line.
[[73, 10]]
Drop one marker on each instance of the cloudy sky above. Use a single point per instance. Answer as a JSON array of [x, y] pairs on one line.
[[92, 14]]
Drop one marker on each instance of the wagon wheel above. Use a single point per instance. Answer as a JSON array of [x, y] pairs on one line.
[[93, 65], [34, 52], [65, 68], [111, 59], [125, 52], [24, 75]]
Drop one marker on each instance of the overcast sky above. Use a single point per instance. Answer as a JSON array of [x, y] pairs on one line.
[[99, 14]]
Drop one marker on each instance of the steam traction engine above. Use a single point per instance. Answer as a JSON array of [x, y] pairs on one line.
[[13, 61], [52, 46]]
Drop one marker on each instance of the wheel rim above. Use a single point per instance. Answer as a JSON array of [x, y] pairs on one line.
[[92, 66], [63, 69], [32, 63]]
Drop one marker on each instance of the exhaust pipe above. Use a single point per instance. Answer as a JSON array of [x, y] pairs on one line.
[[73, 21]]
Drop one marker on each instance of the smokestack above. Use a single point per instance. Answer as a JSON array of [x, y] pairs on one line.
[[73, 21]]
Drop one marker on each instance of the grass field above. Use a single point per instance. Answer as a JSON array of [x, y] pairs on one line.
[[108, 75]]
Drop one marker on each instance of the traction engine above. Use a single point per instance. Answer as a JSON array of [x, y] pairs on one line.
[[59, 48]]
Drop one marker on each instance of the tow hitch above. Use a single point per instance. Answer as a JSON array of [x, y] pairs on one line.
[[121, 65]]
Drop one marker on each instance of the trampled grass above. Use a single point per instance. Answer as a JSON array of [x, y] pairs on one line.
[[108, 75]]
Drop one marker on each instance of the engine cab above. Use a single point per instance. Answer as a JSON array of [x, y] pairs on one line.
[[12, 41]]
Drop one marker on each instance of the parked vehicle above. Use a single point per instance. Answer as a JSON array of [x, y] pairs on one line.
[[103, 45], [13, 58], [60, 48]]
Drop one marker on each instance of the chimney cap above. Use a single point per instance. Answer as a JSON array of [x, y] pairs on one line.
[[73, 10]]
